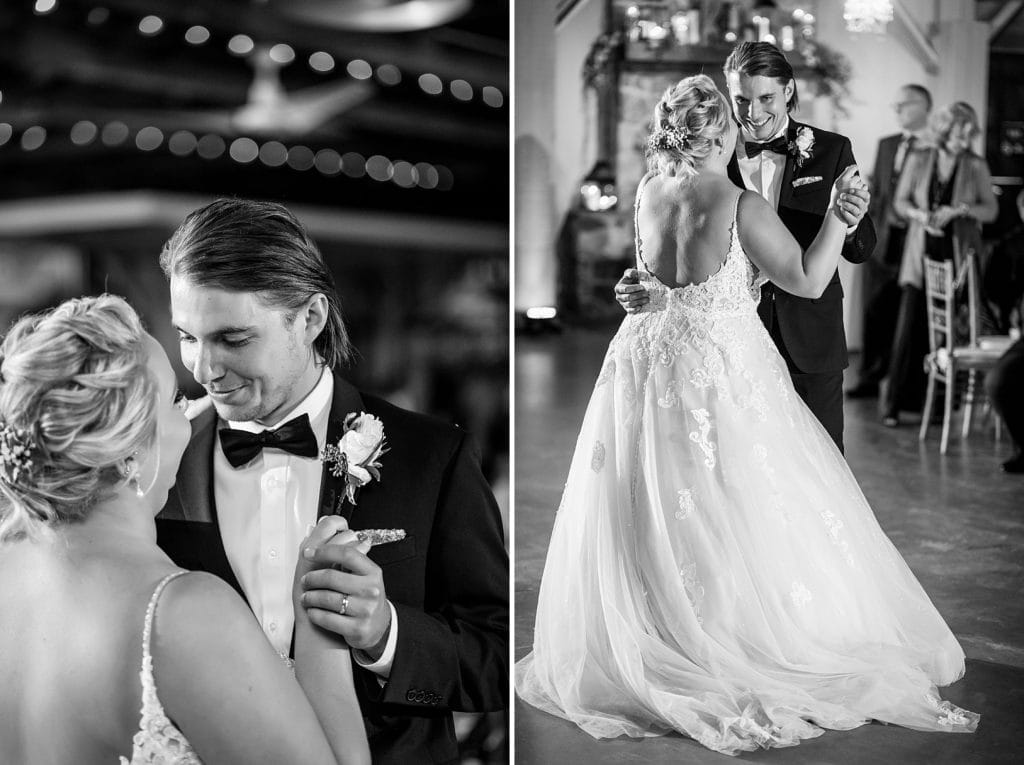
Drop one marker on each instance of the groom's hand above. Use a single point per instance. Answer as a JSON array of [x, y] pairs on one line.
[[630, 293], [341, 570]]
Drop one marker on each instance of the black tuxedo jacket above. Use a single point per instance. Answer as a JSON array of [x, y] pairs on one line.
[[883, 192], [810, 330], [448, 579]]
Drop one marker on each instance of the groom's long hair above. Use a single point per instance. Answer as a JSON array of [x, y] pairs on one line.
[[762, 59], [245, 245]]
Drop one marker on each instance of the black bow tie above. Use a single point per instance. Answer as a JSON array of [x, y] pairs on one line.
[[779, 145], [295, 436]]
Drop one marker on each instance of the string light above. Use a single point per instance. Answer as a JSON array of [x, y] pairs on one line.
[[445, 179], [114, 133], [243, 150], [492, 96], [359, 69], [241, 45], [83, 133], [462, 90], [182, 143], [353, 165], [273, 154], [404, 174], [33, 138], [282, 53], [6, 131], [98, 16], [431, 83], [389, 74], [379, 168], [151, 25], [318, 61], [321, 62], [210, 146], [426, 176], [197, 35], [328, 162], [300, 158], [149, 138]]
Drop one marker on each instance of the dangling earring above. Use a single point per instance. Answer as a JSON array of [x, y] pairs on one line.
[[131, 476], [156, 473]]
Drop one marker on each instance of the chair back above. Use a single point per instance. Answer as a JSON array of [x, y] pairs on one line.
[[940, 304]]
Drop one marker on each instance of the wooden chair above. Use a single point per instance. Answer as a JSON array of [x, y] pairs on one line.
[[949, 355]]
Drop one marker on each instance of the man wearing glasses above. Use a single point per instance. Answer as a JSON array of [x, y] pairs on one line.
[[882, 293]]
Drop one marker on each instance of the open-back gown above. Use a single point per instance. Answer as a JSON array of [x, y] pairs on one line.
[[714, 568]]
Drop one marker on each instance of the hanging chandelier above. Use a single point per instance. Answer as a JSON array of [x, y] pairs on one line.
[[869, 16]]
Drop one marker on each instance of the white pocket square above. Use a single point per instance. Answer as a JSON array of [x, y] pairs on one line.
[[805, 181]]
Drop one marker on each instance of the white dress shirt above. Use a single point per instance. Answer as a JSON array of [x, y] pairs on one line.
[[764, 172], [264, 509]]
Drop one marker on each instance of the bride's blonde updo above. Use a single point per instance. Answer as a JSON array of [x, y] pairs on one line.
[[76, 400], [687, 120]]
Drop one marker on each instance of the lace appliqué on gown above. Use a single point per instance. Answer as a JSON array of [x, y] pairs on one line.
[[158, 741], [714, 568]]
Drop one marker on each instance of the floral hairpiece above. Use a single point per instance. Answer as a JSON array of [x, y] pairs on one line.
[[16, 449], [668, 138]]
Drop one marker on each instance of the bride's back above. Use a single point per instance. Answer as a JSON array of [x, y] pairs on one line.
[[684, 226], [70, 651]]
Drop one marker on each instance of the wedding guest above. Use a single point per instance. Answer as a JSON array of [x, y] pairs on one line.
[[96, 622], [792, 166], [882, 291], [1005, 386], [945, 194]]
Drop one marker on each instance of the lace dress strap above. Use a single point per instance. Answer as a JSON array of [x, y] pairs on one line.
[[637, 243], [157, 739]]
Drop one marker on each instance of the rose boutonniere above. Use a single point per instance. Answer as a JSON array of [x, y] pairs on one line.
[[802, 147], [356, 457]]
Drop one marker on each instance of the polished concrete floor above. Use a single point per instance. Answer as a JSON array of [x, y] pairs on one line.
[[957, 519]]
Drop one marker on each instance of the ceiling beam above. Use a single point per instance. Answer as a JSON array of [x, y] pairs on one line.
[[920, 45], [105, 211], [1003, 18]]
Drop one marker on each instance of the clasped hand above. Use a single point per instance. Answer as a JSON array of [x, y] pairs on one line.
[[340, 588], [850, 197]]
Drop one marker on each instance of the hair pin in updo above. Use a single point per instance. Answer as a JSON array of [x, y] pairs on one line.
[[15, 452], [668, 138]]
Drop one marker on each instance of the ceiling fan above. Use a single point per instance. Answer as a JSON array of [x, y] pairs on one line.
[[271, 110], [374, 15]]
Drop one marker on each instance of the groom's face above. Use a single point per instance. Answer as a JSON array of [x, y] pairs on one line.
[[253, 361], [759, 103]]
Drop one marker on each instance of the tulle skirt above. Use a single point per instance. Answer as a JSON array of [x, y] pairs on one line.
[[714, 568]]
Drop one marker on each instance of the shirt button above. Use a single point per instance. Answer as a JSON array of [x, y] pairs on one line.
[[273, 626], [272, 553]]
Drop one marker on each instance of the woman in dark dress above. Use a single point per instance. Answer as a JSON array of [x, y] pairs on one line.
[[945, 194]]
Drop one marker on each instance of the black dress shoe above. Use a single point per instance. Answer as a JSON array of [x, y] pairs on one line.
[[863, 390], [1015, 465]]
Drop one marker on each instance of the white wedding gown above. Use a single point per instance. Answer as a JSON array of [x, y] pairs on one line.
[[714, 568], [158, 741]]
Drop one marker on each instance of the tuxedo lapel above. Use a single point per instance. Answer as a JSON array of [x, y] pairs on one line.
[[194, 486], [734, 172], [195, 475], [346, 399], [786, 192]]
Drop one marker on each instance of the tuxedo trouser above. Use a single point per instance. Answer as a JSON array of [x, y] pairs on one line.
[[823, 394], [881, 309], [906, 379], [1005, 386], [821, 391]]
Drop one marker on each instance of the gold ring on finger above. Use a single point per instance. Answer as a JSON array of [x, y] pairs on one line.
[[344, 606]]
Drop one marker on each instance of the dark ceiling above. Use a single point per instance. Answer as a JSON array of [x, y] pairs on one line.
[[110, 95]]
